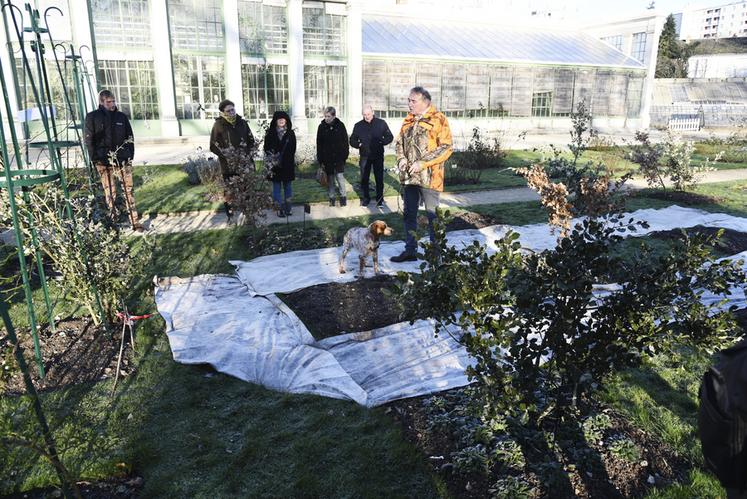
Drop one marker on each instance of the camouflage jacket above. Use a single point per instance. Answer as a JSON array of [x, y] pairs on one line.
[[425, 140]]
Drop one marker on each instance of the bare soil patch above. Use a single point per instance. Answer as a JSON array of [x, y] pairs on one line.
[[77, 352], [330, 309], [684, 197], [731, 242], [470, 220]]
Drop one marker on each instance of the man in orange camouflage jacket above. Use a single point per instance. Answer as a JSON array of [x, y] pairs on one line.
[[423, 146]]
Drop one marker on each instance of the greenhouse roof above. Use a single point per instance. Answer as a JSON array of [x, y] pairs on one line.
[[437, 39]]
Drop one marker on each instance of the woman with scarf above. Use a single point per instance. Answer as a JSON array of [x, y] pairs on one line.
[[280, 160], [230, 131]]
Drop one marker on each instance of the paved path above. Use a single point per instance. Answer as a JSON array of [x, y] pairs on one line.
[[202, 220], [205, 220]]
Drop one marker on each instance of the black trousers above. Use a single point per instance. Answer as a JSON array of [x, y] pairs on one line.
[[378, 170]]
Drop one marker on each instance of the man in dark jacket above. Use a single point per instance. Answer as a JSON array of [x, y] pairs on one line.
[[231, 131], [111, 147], [370, 135], [331, 152]]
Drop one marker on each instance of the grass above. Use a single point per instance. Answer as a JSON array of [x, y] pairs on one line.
[[164, 189], [661, 398], [192, 433]]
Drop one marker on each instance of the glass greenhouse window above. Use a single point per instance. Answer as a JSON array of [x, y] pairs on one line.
[[265, 90], [262, 28], [133, 84], [541, 103], [639, 46], [121, 23], [324, 86], [616, 41], [196, 24], [633, 100], [323, 34], [26, 96], [199, 85], [500, 91]]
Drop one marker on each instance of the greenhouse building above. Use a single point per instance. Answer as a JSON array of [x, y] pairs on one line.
[[170, 62]]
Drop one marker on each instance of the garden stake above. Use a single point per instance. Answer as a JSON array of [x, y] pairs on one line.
[[128, 322]]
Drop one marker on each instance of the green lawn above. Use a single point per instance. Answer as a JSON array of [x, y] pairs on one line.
[[192, 433], [164, 189]]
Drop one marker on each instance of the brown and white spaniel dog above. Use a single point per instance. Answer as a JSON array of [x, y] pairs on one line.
[[365, 240]]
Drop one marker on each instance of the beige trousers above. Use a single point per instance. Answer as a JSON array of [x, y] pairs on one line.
[[109, 176]]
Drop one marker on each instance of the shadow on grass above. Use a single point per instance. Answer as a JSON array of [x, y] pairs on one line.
[[206, 434]]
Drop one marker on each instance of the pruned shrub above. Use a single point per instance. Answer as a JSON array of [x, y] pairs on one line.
[[456, 174], [97, 266], [248, 189], [589, 188], [670, 160], [481, 153], [542, 329]]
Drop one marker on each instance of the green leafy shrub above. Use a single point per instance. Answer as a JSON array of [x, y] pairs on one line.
[[97, 265], [456, 174], [543, 335], [472, 459], [670, 161]]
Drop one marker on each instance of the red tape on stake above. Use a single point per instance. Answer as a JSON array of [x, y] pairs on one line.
[[124, 317]]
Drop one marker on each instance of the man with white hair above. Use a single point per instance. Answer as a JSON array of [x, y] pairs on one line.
[[370, 135], [424, 144]]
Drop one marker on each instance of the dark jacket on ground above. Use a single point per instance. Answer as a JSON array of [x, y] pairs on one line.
[[225, 135], [284, 150], [332, 146], [105, 132], [371, 138]]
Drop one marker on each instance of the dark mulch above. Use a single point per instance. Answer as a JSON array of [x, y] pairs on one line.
[[731, 242], [362, 305], [470, 220], [111, 488], [77, 352], [600, 473], [683, 197]]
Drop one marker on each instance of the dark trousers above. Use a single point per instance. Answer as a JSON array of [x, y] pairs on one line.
[[377, 165], [413, 196]]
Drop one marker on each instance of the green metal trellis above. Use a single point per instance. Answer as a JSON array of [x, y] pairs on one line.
[[24, 177]]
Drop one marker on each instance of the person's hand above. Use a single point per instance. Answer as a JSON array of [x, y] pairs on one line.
[[402, 165], [416, 167]]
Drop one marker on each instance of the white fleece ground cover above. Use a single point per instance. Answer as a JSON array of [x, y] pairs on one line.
[[238, 325]]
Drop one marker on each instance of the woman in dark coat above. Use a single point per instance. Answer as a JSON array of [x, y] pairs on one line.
[[331, 152], [230, 130], [280, 160]]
